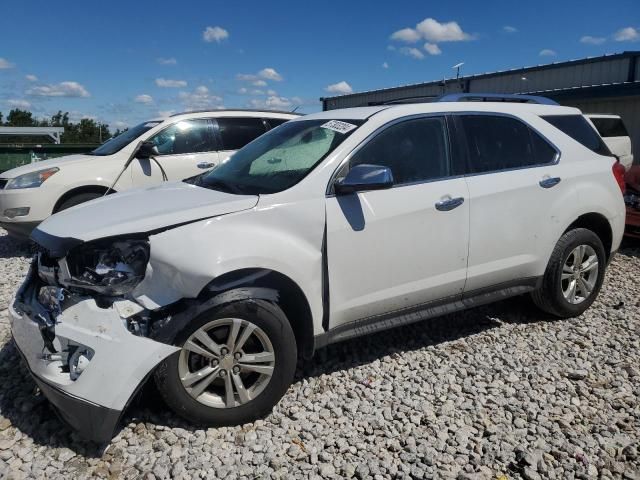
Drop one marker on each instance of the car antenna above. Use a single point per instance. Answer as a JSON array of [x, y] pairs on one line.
[[295, 108]]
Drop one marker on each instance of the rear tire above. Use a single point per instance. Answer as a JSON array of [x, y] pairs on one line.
[[574, 275], [77, 200], [270, 346]]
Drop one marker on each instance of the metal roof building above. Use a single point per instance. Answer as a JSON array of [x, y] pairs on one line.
[[606, 84]]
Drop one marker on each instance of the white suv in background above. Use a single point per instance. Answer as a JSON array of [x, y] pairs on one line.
[[332, 226], [612, 130], [187, 143]]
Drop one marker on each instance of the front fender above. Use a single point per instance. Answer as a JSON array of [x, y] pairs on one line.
[[284, 238]]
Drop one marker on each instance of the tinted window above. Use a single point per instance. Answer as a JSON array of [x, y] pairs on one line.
[[237, 132], [610, 127], [414, 150], [578, 128], [500, 143], [275, 122], [185, 136]]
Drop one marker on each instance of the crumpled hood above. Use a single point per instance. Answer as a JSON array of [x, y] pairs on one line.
[[138, 211], [52, 162]]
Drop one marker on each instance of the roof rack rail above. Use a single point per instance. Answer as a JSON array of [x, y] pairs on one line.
[[496, 97]]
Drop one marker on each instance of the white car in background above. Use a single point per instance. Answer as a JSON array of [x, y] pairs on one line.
[[614, 133], [332, 226], [186, 143]]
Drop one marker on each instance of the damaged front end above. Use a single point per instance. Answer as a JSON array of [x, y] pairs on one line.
[[83, 335]]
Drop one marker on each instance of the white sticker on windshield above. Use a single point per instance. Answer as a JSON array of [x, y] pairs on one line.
[[338, 126]]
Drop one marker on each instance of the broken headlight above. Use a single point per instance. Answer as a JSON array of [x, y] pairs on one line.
[[110, 268]]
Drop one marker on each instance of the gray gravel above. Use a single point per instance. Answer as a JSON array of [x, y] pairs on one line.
[[499, 390]]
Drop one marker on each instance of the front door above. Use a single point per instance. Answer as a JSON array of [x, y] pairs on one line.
[[187, 148], [392, 249]]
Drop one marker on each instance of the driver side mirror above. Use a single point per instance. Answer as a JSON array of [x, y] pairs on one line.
[[364, 177], [146, 150]]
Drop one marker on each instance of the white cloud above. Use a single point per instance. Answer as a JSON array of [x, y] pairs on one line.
[[274, 102], [271, 92], [340, 87], [385, 65], [243, 91], [167, 83], [509, 29], [215, 34], [270, 74], [143, 98], [408, 35], [588, 39], [17, 103], [4, 64], [432, 31], [259, 79], [437, 32], [628, 34], [432, 48], [165, 113], [200, 99], [119, 124], [412, 52], [62, 89], [31, 78], [547, 52], [167, 61]]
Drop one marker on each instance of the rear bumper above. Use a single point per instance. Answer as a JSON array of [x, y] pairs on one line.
[[117, 366]]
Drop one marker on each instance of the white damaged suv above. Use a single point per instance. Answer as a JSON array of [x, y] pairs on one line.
[[331, 226]]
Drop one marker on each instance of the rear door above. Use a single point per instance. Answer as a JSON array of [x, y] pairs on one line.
[[233, 133], [187, 148], [514, 184], [392, 249]]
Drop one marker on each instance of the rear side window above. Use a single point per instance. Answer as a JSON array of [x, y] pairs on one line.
[[414, 150], [495, 143], [578, 128], [235, 133], [610, 127]]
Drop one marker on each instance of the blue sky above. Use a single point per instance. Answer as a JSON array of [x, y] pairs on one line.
[[124, 62]]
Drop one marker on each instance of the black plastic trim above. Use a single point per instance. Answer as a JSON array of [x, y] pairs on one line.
[[20, 230], [426, 311], [56, 246]]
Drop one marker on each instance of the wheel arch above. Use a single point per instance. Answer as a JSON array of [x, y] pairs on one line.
[[272, 286], [598, 224], [101, 189]]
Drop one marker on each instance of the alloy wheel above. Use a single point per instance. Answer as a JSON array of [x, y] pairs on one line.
[[226, 363], [579, 274]]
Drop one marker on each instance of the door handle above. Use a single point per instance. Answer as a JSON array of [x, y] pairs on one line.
[[449, 204], [549, 182], [206, 165]]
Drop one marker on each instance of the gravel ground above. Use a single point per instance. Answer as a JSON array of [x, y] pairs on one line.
[[496, 392]]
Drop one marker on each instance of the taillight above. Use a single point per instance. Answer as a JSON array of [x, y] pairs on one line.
[[618, 172]]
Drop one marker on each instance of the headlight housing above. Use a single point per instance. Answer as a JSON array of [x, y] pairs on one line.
[[31, 180], [110, 268]]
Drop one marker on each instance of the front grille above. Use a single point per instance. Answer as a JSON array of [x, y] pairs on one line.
[[3, 183]]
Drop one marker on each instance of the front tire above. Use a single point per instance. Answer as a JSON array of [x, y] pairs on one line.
[[236, 362], [574, 275]]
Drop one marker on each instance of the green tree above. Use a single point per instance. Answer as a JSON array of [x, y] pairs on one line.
[[20, 118]]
